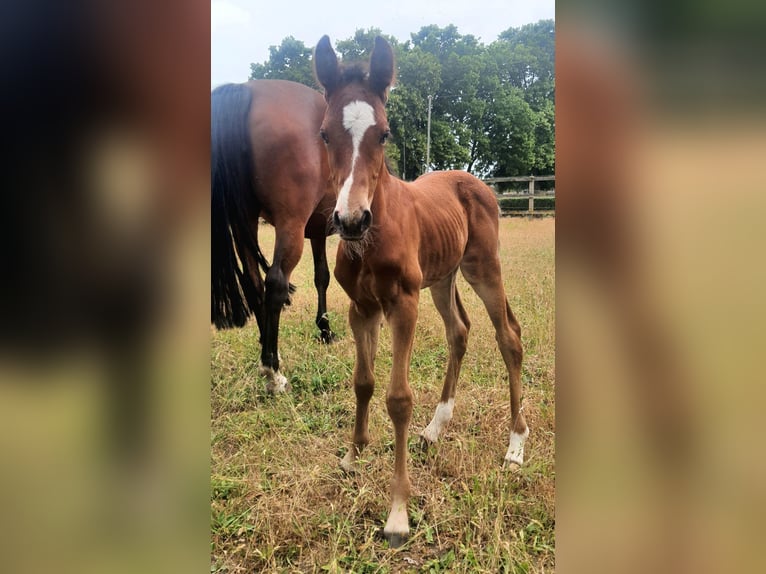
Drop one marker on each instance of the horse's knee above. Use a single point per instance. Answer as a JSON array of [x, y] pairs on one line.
[[321, 277], [364, 386], [399, 406], [277, 289]]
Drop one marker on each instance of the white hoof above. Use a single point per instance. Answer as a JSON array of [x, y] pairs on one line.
[[276, 382], [515, 454], [436, 427], [348, 462]]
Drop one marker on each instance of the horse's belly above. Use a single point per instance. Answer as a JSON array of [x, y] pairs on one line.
[[436, 265], [441, 250]]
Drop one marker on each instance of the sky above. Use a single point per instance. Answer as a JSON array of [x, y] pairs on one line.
[[243, 30]]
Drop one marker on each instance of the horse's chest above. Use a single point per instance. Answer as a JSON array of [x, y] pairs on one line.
[[378, 281]]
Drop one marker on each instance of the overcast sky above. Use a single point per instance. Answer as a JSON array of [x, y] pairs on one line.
[[243, 30]]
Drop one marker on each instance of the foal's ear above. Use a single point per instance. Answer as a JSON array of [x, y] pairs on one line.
[[381, 67], [326, 65]]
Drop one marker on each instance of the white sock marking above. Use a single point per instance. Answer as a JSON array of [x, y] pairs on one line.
[[276, 382], [442, 416], [357, 118], [516, 447]]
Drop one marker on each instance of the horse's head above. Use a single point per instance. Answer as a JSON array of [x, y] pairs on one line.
[[355, 129]]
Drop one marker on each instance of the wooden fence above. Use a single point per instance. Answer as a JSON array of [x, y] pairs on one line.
[[491, 181]]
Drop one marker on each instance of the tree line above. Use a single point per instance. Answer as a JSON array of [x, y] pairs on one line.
[[492, 106]]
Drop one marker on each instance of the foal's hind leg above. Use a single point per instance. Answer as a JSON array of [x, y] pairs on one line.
[[447, 302], [321, 282], [483, 274]]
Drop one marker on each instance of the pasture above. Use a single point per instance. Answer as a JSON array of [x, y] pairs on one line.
[[279, 501]]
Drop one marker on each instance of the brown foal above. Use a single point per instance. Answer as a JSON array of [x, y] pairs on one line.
[[399, 238]]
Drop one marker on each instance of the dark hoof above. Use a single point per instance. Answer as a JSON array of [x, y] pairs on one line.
[[395, 540], [327, 337], [425, 444]]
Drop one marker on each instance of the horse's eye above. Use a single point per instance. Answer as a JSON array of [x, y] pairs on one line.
[[385, 136], [323, 135]]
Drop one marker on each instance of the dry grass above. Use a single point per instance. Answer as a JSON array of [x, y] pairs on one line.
[[280, 502]]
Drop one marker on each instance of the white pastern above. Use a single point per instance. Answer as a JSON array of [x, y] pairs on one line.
[[276, 382], [358, 117], [442, 416], [515, 454], [348, 462], [398, 525]]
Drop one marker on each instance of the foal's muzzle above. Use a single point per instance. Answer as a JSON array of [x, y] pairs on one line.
[[352, 227]]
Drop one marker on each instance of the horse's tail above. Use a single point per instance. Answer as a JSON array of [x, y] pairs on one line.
[[237, 285]]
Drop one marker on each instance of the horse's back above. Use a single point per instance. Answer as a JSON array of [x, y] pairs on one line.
[[455, 212], [288, 156], [446, 195]]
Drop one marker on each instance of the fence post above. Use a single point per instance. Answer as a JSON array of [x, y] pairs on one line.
[[531, 194]]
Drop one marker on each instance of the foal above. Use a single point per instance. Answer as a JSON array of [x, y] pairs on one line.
[[399, 238]]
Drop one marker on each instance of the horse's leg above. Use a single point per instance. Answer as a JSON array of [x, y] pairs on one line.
[[483, 274], [321, 282], [402, 316], [365, 324], [447, 302], [288, 248]]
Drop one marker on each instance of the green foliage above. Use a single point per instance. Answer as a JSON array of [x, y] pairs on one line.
[[291, 60], [492, 108]]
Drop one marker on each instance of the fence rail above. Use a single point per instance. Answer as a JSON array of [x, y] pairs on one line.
[[491, 181]]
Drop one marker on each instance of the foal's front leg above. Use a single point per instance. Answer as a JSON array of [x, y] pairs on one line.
[[365, 324], [402, 317]]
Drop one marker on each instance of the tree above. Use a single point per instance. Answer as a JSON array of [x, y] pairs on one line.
[[291, 60], [492, 106], [510, 137], [529, 59]]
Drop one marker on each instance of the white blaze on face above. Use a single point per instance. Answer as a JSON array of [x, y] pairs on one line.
[[357, 118]]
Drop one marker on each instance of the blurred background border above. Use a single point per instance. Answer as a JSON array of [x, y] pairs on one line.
[[104, 381]]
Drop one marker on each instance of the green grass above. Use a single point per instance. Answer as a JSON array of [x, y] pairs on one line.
[[279, 502]]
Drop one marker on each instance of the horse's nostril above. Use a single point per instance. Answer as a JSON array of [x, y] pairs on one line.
[[336, 219], [366, 219]]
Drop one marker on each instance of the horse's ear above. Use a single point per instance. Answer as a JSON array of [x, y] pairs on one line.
[[326, 65], [381, 67]]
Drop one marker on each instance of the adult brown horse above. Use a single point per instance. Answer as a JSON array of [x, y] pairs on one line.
[[399, 238], [267, 161]]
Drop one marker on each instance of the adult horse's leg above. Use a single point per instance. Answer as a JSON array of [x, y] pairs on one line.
[[483, 274], [402, 316], [447, 302], [365, 324], [288, 248], [321, 282]]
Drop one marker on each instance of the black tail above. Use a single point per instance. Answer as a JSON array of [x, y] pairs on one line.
[[237, 284]]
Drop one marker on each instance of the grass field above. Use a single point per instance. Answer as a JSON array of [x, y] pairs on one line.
[[279, 500]]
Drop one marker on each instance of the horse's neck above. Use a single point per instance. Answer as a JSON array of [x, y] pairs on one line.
[[387, 195]]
